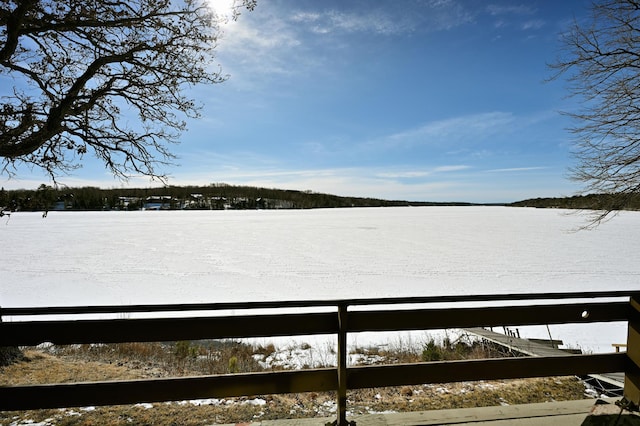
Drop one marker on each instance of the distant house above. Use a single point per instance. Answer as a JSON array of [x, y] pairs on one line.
[[196, 201], [219, 203], [124, 203], [158, 202]]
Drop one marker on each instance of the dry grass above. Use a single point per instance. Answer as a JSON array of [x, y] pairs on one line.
[[39, 367], [133, 361], [466, 394], [174, 359]]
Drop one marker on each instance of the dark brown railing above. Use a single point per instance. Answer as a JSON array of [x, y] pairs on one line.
[[337, 317]]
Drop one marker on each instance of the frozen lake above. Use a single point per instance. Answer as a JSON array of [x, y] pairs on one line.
[[78, 258]]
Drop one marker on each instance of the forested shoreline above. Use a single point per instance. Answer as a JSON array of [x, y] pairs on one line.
[[222, 196], [211, 197], [585, 202]]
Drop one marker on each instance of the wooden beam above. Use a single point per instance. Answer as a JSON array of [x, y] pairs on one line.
[[318, 380], [156, 390], [31, 333], [632, 372], [425, 319], [342, 367], [117, 309], [483, 369]]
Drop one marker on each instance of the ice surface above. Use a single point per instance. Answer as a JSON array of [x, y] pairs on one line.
[[78, 258]]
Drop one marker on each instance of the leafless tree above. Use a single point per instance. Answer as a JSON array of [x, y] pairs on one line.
[[601, 60], [70, 70]]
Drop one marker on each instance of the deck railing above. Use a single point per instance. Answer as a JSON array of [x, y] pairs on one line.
[[336, 317]]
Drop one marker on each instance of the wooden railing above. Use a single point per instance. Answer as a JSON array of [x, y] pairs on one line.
[[337, 317]]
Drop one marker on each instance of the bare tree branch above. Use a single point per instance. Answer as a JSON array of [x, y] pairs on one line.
[[77, 65], [601, 60]]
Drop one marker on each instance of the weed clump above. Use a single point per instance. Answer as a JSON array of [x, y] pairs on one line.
[[448, 350]]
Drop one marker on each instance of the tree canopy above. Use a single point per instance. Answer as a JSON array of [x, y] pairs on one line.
[[70, 70], [601, 59]]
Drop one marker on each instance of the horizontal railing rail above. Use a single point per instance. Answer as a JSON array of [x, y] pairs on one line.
[[477, 311], [186, 307], [31, 333]]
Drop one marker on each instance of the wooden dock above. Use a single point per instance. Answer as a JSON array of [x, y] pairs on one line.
[[610, 384], [517, 344]]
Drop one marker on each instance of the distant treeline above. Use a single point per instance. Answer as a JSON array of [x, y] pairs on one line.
[[585, 202], [214, 196]]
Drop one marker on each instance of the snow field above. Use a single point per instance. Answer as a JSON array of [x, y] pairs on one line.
[[88, 258]]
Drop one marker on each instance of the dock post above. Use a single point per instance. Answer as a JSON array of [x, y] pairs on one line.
[[632, 372], [342, 365]]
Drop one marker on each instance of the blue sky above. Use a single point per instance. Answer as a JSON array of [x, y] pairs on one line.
[[435, 100]]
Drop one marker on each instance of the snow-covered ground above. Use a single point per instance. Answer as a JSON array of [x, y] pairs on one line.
[[74, 258]]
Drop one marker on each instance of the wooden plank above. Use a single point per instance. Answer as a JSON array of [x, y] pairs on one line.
[[156, 390], [544, 413], [31, 333], [102, 309], [425, 319], [555, 343], [484, 369], [342, 367], [169, 329], [632, 372]]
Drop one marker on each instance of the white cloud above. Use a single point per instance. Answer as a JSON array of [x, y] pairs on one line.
[[516, 169], [363, 22], [452, 136], [422, 173], [534, 24], [107, 181], [446, 15], [431, 184], [469, 127], [359, 182], [511, 15], [404, 175], [446, 169], [520, 9], [275, 40], [438, 15], [258, 48]]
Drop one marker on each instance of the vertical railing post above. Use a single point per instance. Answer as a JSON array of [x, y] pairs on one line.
[[8, 354], [632, 371], [342, 365]]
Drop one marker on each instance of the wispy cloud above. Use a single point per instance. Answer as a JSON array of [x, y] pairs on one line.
[[255, 46], [436, 15], [446, 169], [516, 169], [412, 174], [513, 15], [534, 24], [512, 9], [275, 40], [332, 21], [348, 181], [446, 15], [469, 127]]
